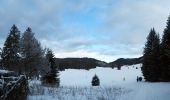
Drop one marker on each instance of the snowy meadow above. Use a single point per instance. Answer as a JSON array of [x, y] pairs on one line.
[[115, 85]]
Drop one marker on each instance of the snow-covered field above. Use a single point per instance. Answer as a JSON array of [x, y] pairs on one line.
[[107, 76], [76, 85]]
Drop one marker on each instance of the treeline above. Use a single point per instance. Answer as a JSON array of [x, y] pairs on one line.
[[156, 56], [125, 61], [79, 63], [23, 53], [89, 63]]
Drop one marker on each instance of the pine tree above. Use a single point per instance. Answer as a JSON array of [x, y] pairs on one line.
[[156, 59], [52, 76], [32, 53], [95, 81], [150, 68], [51, 60], [10, 53], [165, 53]]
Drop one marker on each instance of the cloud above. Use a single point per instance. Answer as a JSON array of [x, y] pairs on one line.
[[103, 29]]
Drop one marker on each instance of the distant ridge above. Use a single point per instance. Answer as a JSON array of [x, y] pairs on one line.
[[88, 63], [125, 61], [79, 63]]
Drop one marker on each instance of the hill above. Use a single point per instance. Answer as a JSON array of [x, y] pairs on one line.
[[79, 63], [88, 63], [125, 61]]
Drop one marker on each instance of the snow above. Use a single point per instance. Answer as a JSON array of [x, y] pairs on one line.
[[107, 76], [76, 93], [147, 91], [32, 82], [76, 85], [4, 71]]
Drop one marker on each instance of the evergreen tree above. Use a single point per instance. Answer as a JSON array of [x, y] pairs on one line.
[[95, 81], [165, 53], [156, 59], [150, 68], [50, 59], [52, 76], [32, 53], [10, 53]]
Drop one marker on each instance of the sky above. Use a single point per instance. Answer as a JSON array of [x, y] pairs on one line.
[[101, 29]]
